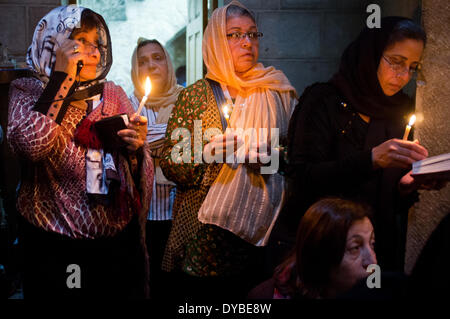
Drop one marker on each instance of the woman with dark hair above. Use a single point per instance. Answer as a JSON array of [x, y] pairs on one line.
[[334, 247], [83, 200], [151, 59], [345, 135], [224, 212]]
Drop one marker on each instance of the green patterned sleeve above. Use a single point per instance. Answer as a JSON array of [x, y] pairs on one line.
[[181, 161]]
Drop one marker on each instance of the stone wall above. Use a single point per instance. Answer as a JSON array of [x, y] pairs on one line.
[[127, 21], [176, 47], [305, 38], [432, 104], [151, 19], [17, 22], [115, 10]]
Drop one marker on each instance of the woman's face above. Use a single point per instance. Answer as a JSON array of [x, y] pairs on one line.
[[244, 51], [90, 53], [359, 253], [395, 65], [152, 62]]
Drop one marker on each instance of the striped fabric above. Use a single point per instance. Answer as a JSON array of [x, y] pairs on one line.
[[163, 194], [250, 202], [155, 131], [162, 202]]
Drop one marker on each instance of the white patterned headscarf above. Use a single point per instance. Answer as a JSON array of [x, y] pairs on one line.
[[53, 29]]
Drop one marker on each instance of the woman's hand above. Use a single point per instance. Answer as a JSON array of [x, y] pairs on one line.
[[397, 153], [259, 155], [221, 147], [136, 132], [67, 57], [408, 184]]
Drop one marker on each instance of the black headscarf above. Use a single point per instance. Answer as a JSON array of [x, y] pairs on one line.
[[357, 80], [357, 76]]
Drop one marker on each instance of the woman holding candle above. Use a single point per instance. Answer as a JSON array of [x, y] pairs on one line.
[[151, 60], [345, 137], [82, 204], [223, 212]]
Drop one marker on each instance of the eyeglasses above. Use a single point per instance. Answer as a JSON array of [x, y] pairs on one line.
[[238, 36], [401, 69], [88, 46]]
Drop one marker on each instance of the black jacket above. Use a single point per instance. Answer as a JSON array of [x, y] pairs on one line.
[[329, 151]]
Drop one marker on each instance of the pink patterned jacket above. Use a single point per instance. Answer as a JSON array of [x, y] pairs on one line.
[[53, 185]]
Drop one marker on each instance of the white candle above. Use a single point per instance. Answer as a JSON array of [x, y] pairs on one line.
[[148, 89], [412, 120]]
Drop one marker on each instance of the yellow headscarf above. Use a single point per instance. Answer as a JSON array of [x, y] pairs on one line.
[[164, 102], [219, 61], [265, 91], [264, 102]]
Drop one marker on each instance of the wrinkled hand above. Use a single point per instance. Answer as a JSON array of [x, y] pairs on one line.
[[136, 132], [408, 184], [221, 147], [397, 153], [67, 58], [259, 155]]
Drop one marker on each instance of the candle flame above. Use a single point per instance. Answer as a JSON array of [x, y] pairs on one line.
[[412, 120], [148, 86], [226, 110]]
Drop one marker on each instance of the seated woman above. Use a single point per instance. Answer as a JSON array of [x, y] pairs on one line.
[[82, 201], [150, 59], [345, 135], [335, 245], [223, 212]]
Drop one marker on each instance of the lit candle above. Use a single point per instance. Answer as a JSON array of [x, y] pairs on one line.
[[226, 112], [412, 119], [148, 89]]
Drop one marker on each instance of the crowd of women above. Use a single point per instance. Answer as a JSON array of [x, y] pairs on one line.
[[147, 217]]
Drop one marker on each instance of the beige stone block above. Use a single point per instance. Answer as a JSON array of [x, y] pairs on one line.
[[432, 105], [339, 30], [289, 35]]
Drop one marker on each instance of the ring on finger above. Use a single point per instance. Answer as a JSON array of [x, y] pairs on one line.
[[75, 48]]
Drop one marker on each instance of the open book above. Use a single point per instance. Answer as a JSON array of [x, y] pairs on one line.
[[107, 129], [433, 168]]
